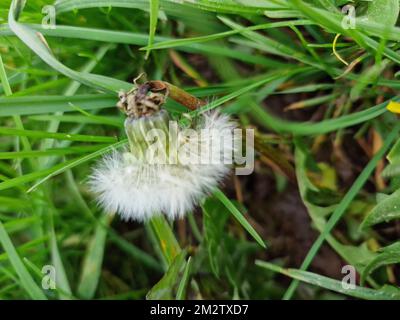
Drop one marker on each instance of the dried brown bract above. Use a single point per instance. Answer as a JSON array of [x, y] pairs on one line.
[[148, 98], [141, 101]]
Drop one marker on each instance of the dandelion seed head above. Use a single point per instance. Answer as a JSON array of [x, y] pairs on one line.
[[138, 190]]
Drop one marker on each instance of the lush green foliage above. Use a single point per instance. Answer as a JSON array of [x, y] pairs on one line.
[[256, 59]]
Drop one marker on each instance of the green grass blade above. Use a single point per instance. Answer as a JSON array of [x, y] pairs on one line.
[[20, 180], [73, 163], [214, 104], [181, 293], [50, 152], [141, 40], [163, 290], [25, 248], [27, 282], [93, 260], [30, 38], [84, 119], [330, 284], [61, 276], [135, 252], [167, 5], [4, 80], [239, 217], [324, 126], [46, 104], [55, 135], [166, 239], [154, 6], [180, 42]]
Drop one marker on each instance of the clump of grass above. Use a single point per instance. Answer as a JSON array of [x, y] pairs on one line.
[[315, 91]]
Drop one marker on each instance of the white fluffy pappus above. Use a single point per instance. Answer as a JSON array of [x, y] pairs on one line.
[[137, 190]]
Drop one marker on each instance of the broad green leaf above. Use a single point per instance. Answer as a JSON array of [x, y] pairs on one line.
[[388, 207], [358, 256], [386, 210], [392, 169], [386, 255], [394, 153], [383, 11]]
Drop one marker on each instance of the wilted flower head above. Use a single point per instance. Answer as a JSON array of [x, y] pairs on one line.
[[158, 173]]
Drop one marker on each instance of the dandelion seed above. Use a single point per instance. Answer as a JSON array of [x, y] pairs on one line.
[[142, 181]]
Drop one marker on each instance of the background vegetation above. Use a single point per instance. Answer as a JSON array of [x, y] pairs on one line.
[[322, 195]]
